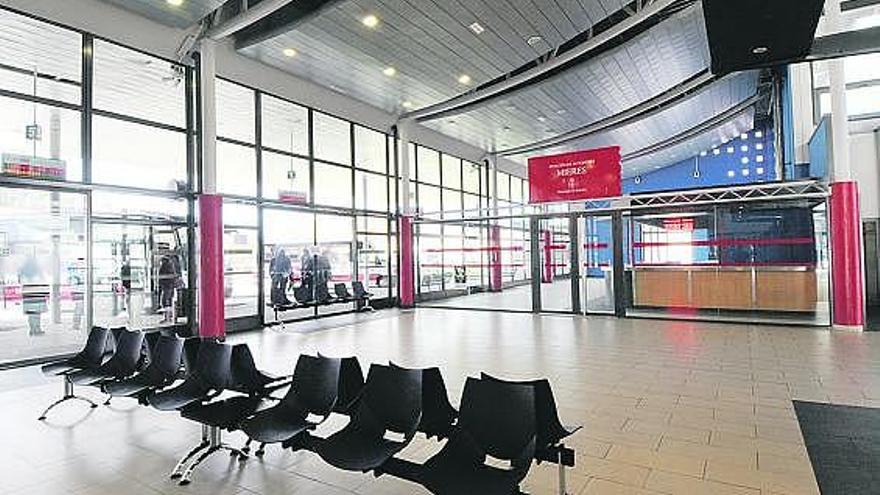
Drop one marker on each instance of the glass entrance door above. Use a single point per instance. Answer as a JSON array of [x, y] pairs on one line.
[[139, 275], [42, 273], [555, 260], [597, 272]]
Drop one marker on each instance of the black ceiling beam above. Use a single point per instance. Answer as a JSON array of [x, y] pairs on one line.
[[845, 44], [281, 21]]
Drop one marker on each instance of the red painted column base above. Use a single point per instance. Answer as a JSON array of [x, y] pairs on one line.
[[495, 282], [407, 278], [846, 255], [547, 273], [212, 314]]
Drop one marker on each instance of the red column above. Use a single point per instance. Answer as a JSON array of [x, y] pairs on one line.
[[407, 287], [495, 282], [211, 300], [846, 255], [547, 238]]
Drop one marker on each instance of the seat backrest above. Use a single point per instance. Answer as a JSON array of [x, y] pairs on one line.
[[315, 386], [214, 368], [245, 375], [96, 343], [358, 287], [113, 340], [438, 415], [549, 428], [351, 384], [392, 399], [341, 291], [128, 351], [191, 354], [166, 357], [500, 418]]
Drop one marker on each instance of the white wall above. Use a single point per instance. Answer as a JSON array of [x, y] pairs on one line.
[[116, 24], [864, 148]]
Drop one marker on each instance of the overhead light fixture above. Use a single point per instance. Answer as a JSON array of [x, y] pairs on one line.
[[731, 174], [759, 158], [744, 148], [506, 128], [760, 50], [729, 150], [561, 111], [289, 52], [464, 79], [476, 28], [716, 151], [744, 160], [389, 71], [759, 134], [371, 21], [175, 3], [541, 118], [743, 136], [745, 172], [407, 104], [534, 40], [703, 153], [759, 146], [759, 170]]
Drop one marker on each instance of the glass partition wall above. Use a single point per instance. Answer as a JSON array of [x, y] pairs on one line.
[[100, 168], [757, 262]]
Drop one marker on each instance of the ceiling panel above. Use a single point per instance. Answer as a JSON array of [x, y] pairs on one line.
[[614, 81], [184, 15]]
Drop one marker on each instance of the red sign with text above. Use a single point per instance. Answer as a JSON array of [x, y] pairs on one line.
[[574, 176]]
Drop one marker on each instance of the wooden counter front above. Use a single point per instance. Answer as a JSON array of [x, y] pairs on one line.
[[730, 288]]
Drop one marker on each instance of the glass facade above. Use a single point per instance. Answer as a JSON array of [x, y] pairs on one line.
[[101, 170]]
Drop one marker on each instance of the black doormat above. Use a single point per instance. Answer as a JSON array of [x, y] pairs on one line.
[[844, 446]]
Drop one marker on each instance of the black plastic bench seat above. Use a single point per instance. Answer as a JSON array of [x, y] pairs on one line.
[[226, 414], [165, 360], [391, 401], [497, 419], [91, 356], [122, 364], [314, 390]]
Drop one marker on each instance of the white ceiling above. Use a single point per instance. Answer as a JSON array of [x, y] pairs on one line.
[[430, 45]]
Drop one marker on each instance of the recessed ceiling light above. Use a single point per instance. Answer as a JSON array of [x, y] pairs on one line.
[[407, 104], [541, 118], [477, 28], [760, 50], [175, 3], [464, 79], [561, 111], [534, 40], [371, 21], [452, 122], [289, 52], [506, 128], [389, 71]]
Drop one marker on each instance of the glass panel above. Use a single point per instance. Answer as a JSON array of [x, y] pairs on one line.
[[451, 172], [239, 214], [285, 178], [597, 269], [503, 186], [236, 169], [471, 177], [240, 277], [373, 269], [760, 262], [429, 199], [369, 149], [43, 246], [29, 46], [155, 160], [139, 207], [56, 155], [236, 116], [454, 268], [139, 277], [332, 185], [451, 204], [370, 192], [430, 261], [471, 205], [285, 125], [131, 83], [428, 166], [332, 139], [555, 245], [287, 258], [333, 260], [372, 225]]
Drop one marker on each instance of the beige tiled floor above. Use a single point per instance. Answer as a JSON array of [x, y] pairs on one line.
[[667, 407]]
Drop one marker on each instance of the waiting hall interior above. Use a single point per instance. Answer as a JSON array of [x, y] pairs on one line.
[[454, 247]]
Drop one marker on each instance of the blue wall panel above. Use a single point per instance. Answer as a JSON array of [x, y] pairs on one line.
[[739, 162]]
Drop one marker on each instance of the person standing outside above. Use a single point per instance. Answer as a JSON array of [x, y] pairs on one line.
[[279, 270]]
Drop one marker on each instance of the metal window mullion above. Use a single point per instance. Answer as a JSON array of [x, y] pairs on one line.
[[258, 143], [87, 103]]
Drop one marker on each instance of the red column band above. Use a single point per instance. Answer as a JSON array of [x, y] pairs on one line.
[[407, 286], [846, 255], [495, 258], [212, 317]]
